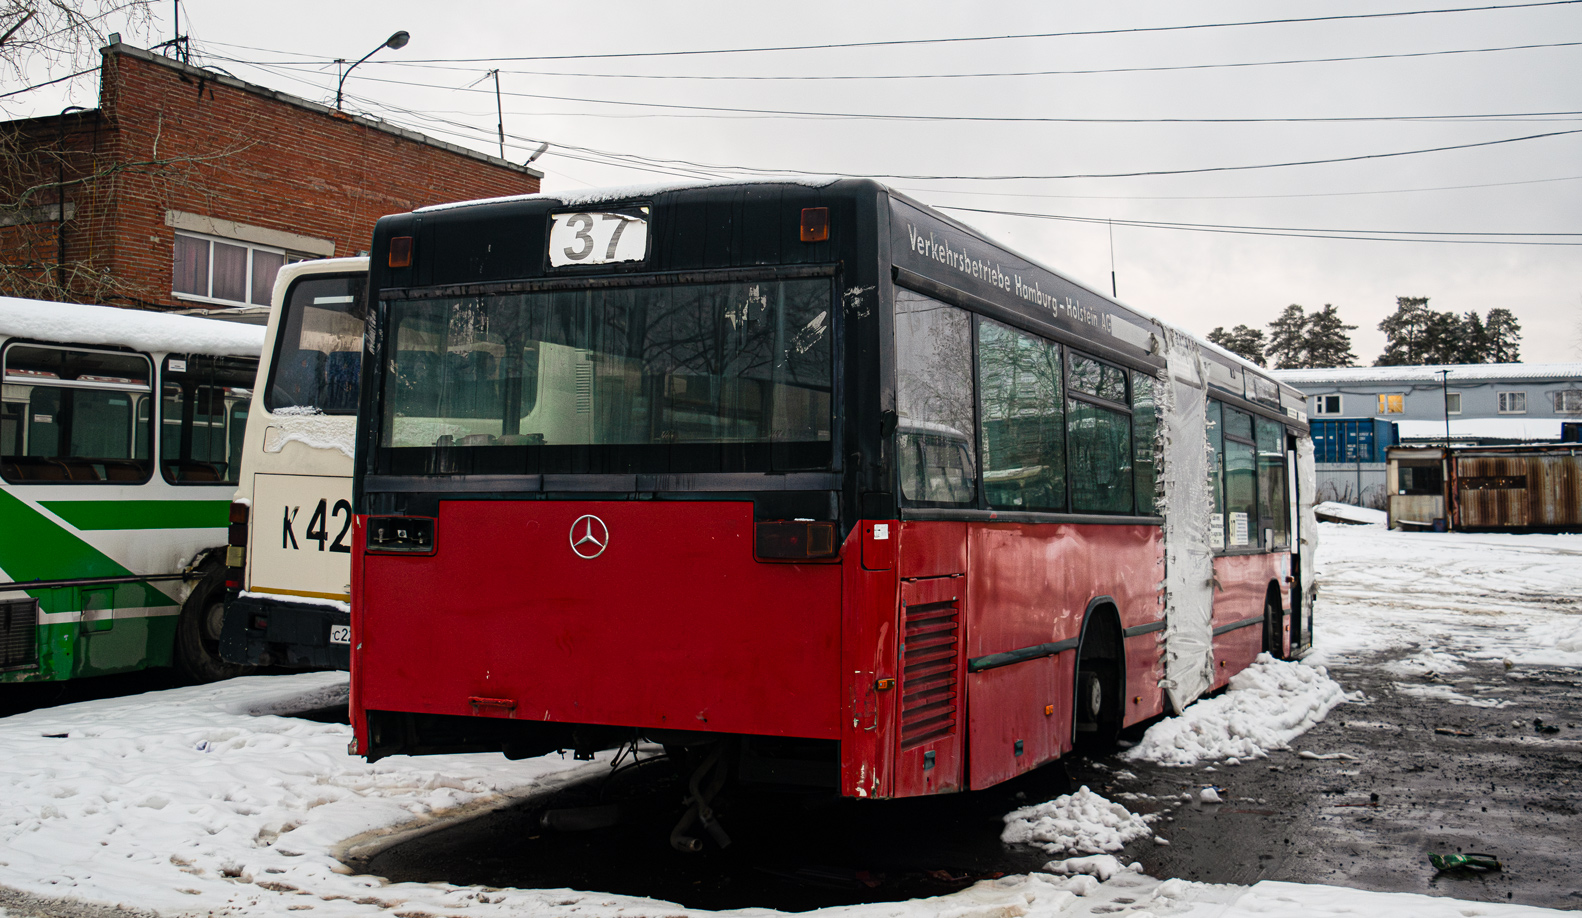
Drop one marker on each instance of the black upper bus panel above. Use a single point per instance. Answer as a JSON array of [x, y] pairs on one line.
[[700, 228]]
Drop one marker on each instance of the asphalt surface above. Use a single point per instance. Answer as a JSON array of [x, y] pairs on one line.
[[1415, 775]]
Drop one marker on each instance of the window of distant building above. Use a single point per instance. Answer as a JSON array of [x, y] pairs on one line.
[[1513, 403], [1453, 403], [1568, 401], [226, 271], [1326, 404], [1392, 404]]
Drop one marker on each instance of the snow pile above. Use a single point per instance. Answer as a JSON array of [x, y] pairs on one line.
[[1080, 823], [1265, 707], [1333, 512], [198, 803], [1557, 643], [143, 330], [1102, 866], [312, 429]]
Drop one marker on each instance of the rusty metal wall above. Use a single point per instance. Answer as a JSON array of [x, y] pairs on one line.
[[1538, 490]]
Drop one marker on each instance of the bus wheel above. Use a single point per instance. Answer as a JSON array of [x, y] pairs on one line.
[[1098, 715], [1272, 620], [198, 632]]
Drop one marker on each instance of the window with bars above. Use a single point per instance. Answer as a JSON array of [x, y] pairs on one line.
[[1392, 404], [226, 271], [1568, 401], [1513, 403]]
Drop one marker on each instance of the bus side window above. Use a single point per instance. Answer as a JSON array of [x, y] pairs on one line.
[[1023, 438], [1145, 425], [1099, 434], [1273, 518], [78, 422], [934, 400], [203, 413]]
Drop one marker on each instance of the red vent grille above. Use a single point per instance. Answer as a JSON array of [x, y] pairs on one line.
[[928, 673]]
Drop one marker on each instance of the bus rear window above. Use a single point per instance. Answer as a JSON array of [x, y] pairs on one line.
[[743, 365], [318, 358]]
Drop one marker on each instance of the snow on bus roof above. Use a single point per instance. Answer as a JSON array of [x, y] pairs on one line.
[[586, 196], [73, 323]]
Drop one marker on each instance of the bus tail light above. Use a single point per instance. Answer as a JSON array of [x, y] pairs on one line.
[[815, 224], [236, 543], [401, 252], [405, 535], [795, 540]]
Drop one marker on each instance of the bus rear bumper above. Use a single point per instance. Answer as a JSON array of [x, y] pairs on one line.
[[261, 631]]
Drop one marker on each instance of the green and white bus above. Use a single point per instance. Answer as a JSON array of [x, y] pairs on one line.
[[119, 437]]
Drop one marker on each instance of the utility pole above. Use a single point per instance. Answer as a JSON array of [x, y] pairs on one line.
[[499, 112]]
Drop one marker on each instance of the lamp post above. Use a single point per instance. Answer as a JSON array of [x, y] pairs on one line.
[[1444, 390], [398, 40]]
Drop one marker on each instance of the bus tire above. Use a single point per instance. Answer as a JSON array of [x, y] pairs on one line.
[[197, 651], [1098, 705], [1273, 618]]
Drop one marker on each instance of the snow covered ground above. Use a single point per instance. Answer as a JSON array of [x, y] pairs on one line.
[[208, 800]]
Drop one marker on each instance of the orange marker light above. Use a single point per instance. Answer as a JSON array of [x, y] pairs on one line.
[[401, 252], [1049, 710], [815, 224]]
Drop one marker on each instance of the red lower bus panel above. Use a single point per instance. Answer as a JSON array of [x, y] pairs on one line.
[[1243, 584], [868, 660], [1032, 585], [931, 721], [674, 625]]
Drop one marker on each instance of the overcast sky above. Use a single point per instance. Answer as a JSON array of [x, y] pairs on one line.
[[962, 136]]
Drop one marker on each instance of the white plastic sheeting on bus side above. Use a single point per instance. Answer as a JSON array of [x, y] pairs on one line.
[[1188, 511], [1307, 530]]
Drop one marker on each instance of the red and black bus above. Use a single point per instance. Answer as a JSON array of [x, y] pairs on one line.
[[806, 480]]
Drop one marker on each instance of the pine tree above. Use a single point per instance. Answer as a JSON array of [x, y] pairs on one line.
[[1328, 341], [1504, 337], [1288, 338], [1474, 340], [1247, 342], [1404, 333], [1442, 342]]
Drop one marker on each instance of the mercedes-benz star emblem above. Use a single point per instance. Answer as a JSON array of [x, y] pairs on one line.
[[589, 536]]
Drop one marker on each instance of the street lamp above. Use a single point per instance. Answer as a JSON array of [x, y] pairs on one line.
[[398, 40]]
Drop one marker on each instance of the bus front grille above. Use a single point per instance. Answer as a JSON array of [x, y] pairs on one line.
[[18, 634], [928, 673]]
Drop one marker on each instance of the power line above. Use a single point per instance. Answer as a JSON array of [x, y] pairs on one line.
[[1239, 197], [1432, 236], [981, 75], [1030, 35], [1009, 119]]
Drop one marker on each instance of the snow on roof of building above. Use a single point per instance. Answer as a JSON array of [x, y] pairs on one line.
[[1513, 429], [1458, 373], [72, 323]]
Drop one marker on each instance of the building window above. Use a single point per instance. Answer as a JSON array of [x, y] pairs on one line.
[[1326, 404], [1568, 401], [1513, 403], [1452, 403], [226, 270], [1420, 476], [1392, 404]]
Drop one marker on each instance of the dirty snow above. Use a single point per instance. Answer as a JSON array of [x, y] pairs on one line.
[[1079, 823], [1266, 706], [207, 799]]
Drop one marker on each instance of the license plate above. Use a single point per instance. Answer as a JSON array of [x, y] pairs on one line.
[[340, 634]]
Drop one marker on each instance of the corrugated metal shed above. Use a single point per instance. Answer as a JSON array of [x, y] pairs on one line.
[[1531, 488]]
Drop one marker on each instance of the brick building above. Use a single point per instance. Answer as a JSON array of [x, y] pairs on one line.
[[189, 188]]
